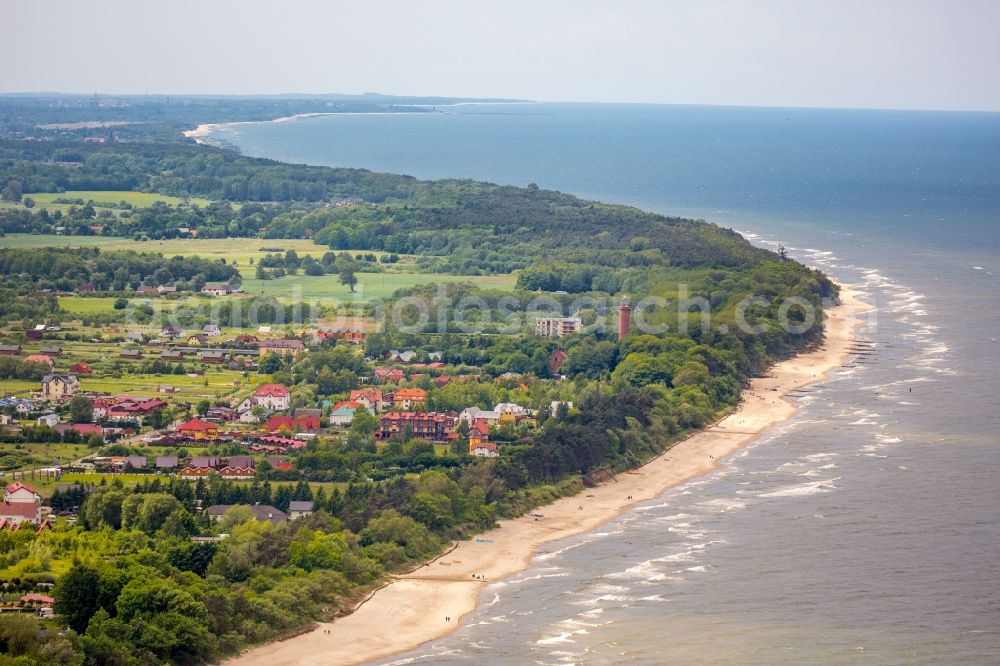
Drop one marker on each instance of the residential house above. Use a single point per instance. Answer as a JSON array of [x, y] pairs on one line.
[[354, 336], [409, 398], [389, 375], [343, 412], [195, 473], [20, 504], [219, 415], [135, 336], [170, 332], [307, 411], [205, 461], [217, 289], [49, 420], [36, 332], [280, 347], [81, 369], [54, 352], [299, 508], [10, 350], [470, 414], [211, 330], [166, 289], [134, 462], [397, 356], [262, 512], [88, 429], [197, 340], [231, 473], [275, 397], [434, 426], [209, 356], [240, 461], [146, 289], [168, 463], [174, 355], [371, 399], [131, 354], [287, 423], [84, 288], [42, 359], [556, 361], [198, 429], [59, 387], [483, 449], [247, 340]]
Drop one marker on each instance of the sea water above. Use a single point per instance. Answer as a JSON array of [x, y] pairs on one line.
[[866, 530]]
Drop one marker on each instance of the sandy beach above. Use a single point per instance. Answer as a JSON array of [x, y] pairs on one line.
[[411, 610]]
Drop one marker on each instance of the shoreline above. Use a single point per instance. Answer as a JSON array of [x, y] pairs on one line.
[[202, 134], [411, 609]]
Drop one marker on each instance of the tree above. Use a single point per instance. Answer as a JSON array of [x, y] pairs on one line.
[[81, 409], [76, 596], [12, 191], [345, 267], [203, 407], [270, 364], [363, 423]]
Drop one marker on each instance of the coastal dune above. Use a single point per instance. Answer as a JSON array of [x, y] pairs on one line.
[[430, 601]]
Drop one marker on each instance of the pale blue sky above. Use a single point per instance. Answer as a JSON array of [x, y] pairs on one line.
[[844, 53]]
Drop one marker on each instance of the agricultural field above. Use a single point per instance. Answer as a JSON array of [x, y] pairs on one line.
[[241, 249], [103, 199], [370, 285]]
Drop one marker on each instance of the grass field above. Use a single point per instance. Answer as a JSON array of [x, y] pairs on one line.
[[190, 388], [113, 198], [240, 249], [370, 285]]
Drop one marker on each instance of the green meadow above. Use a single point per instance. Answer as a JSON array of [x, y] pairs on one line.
[[370, 285]]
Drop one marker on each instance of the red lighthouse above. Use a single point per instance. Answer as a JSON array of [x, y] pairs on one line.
[[624, 317]]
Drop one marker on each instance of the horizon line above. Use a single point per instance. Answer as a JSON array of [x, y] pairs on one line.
[[489, 100]]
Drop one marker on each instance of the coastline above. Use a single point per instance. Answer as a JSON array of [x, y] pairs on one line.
[[203, 133], [411, 609]]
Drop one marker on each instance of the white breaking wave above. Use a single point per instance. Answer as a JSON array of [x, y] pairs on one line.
[[803, 489]]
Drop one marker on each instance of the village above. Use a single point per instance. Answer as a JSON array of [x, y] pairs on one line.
[[249, 428]]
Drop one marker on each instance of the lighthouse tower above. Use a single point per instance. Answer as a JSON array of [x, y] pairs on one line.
[[624, 317]]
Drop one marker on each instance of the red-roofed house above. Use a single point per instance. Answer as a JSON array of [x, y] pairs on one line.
[[369, 398], [20, 504], [272, 396], [199, 429], [483, 449], [389, 375], [301, 424], [407, 398]]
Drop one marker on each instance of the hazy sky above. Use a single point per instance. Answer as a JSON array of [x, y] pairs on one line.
[[867, 53]]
